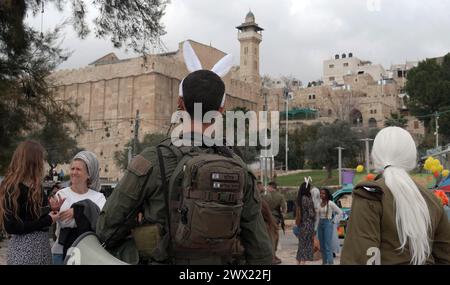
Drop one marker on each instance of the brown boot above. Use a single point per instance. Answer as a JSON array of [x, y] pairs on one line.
[[276, 260]]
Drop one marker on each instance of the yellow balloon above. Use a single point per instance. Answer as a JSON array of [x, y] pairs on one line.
[[445, 173], [434, 169], [436, 162], [427, 165], [359, 168], [429, 159], [440, 168]]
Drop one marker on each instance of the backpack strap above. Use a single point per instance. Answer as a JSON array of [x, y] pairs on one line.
[[166, 198]]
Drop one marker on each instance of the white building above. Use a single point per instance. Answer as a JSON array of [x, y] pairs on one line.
[[335, 69]]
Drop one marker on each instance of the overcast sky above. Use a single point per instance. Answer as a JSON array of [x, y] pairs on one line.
[[298, 34]]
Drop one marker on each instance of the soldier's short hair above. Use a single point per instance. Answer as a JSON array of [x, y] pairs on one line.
[[203, 86], [273, 184]]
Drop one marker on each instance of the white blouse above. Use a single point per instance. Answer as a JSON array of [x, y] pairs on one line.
[[327, 212]]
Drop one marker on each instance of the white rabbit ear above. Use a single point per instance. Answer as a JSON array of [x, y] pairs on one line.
[[223, 66], [223, 100], [190, 58]]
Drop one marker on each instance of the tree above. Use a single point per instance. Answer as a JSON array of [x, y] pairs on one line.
[[57, 140], [266, 81], [149, 140], [27, 102], [428, 87], [323, 150], [248, 153], [28, 57], [291, 82], [132, 24], [296, 143], [343, 103], [396, 120]]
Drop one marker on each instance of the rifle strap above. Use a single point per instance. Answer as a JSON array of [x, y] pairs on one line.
[[165, 189]]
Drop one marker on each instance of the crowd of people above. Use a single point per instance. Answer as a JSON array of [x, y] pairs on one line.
[[193, 203]]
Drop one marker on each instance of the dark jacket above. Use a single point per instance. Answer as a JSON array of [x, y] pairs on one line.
[[85, 213], [26, 222]]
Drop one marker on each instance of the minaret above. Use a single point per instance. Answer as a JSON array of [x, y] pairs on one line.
[[250, 37]]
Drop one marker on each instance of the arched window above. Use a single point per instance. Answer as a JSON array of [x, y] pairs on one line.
[[372, 123], [356, 118]]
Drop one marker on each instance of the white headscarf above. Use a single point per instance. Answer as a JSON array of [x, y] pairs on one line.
[[394, 151]]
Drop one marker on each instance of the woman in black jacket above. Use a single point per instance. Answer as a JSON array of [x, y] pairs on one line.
[[24, 210]]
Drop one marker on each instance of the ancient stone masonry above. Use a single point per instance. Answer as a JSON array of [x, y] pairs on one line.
[[109, 91]]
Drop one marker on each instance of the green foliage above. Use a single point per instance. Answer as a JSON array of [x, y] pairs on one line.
[[130, 24], [296, 145], [323, 150], [428, 86], [319, 178], [396, 120], [27, 58], [150, 140], [249, 154], [27, 105], [57, 140]]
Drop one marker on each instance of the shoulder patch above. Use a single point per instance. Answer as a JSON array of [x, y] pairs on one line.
[[139, 165], [372, 189], [371, 192]]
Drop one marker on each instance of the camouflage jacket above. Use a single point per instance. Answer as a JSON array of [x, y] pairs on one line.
[[372, 236], [141, 188]]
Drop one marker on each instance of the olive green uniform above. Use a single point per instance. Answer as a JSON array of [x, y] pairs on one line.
[[277, 204], [141, 189], [372, 226]]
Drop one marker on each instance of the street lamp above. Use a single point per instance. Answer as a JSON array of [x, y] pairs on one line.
[[340, 149], [367, 153], [437, 129], [287, 97]]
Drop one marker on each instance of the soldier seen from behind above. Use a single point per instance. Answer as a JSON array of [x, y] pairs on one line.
[[198, 203], [393, 219], [278, 206]]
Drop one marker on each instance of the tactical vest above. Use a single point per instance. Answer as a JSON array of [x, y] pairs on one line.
[[205, 201]]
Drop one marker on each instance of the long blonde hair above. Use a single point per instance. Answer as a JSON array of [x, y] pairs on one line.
[[27, 165], [394, 151]]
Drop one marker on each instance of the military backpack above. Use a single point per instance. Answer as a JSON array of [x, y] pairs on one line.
[[205, 201]]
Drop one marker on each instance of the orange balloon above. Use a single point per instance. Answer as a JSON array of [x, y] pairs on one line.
[[370, 177]]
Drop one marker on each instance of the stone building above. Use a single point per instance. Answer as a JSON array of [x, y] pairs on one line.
[[110, 91], [355, 95], [334, 70]]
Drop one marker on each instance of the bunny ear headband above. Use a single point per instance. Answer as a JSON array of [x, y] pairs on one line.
[[308, 180], [221, 68]]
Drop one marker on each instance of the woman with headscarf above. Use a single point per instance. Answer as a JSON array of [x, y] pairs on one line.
[[24, 211], [394, 220], [81, 203]]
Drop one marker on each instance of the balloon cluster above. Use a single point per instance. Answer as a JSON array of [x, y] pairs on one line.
[[368, 177], [442, 196], [435, 166]]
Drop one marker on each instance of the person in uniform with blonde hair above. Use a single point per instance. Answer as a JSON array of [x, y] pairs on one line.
[[394, 220]]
